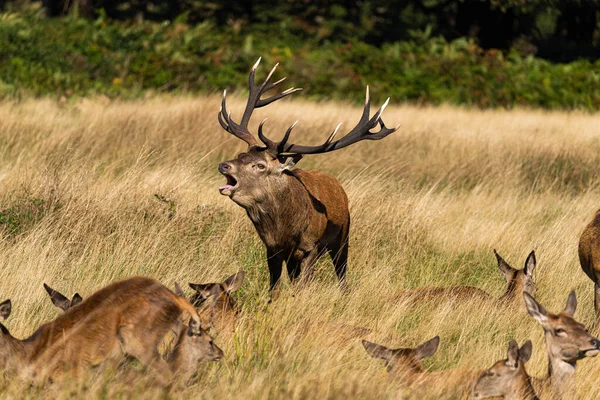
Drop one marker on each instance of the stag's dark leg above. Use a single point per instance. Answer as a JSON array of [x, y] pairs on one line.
[[275, 262], [339, 255], [293, 269]]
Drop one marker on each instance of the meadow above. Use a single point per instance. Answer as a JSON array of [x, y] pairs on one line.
[[96, 190]]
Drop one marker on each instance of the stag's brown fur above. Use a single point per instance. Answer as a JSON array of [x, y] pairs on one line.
[[589, 258], [129, 317], [298, 214]]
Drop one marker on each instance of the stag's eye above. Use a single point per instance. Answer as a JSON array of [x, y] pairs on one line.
[[559, 331], [261, 167]]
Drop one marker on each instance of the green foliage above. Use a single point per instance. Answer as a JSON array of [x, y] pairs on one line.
[[22, 214], [75, 57]]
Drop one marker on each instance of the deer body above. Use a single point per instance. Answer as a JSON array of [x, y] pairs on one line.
[[299, 215], [518, 281], [128, 317], [589, 258]]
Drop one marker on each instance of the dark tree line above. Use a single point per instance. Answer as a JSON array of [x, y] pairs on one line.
[[556, 29]]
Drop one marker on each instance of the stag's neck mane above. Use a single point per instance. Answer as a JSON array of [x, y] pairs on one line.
[[283, 213]]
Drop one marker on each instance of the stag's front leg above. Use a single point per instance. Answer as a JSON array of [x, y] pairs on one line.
[[307, 266], [275, 262]]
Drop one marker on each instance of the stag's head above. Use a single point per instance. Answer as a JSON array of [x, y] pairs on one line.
[[403, 361], [251, 172], [566, 339]]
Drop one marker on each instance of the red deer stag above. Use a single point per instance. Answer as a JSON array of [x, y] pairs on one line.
[[298, 214], [130, 317]]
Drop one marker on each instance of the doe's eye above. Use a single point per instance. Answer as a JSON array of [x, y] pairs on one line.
[[559, 330], [260, 166]]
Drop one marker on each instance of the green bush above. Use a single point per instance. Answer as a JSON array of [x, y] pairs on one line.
[[75, 57]]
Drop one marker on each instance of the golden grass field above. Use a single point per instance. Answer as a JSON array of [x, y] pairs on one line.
[[78, 210]]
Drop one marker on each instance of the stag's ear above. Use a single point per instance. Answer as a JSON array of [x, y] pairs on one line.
[[428, 348], [5, 309], [506, 269], [76, 299], [535, 309], [234, 282], [58, 299], [525, 351], [512, 357], [203, 289], [530, 263], [571, 303], [289, 162], [377, 350]]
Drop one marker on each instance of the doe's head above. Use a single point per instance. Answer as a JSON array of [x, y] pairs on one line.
[[566, 339], [403, 361], [502, 378]]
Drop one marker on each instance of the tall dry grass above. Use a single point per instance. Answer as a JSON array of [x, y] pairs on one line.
[[79, 210]]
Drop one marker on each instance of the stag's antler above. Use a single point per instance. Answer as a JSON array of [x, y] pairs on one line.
[[362, 131], [254, 101]]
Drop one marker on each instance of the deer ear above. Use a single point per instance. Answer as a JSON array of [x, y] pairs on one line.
[[535, 309], [5, 309], [506, 269], [512, 357], [377, 350], [571, 303], [290, 162], [76, 299], [525, 351], [203, 289], [58, 299], [428, 348], [178, 290], [530, 263], [234, 282]]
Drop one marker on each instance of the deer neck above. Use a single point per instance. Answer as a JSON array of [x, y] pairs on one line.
[[560, 373], [523, 389], [514, 290], [282, 212], [179, 363]]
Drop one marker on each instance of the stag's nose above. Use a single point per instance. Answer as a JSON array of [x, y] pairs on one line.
[[224, 168], [595, 343]]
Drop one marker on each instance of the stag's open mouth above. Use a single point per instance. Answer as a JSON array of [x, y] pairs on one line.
[[230, 187]]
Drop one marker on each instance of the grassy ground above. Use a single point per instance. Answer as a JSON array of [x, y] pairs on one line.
[[79, 209]]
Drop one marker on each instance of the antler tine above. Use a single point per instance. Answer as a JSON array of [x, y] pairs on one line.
[[362, 131], [268, 142], [281, 144]]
